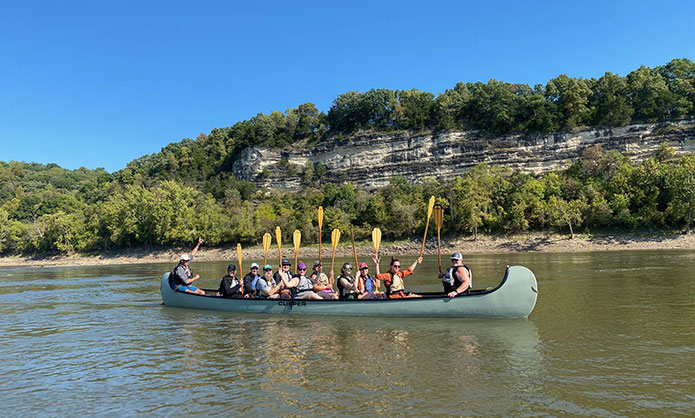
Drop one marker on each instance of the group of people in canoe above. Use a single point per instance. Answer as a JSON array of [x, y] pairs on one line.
[[282, 284]]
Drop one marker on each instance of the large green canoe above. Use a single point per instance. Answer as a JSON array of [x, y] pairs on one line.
[[514, 297]]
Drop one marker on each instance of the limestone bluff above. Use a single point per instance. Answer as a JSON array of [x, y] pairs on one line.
[[370, 160]]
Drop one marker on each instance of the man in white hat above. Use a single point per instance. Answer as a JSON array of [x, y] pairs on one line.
[[457, 278], [182, 275]]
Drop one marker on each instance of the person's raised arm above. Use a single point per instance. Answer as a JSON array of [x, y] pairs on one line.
[[415, 263], [195, 249], [376, 261]]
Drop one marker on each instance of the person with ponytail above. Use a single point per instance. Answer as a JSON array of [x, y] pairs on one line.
[[393, 279]]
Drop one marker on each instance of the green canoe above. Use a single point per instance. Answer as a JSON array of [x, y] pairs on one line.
[[514, 297]]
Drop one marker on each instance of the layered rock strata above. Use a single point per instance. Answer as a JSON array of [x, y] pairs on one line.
[[370, 160]]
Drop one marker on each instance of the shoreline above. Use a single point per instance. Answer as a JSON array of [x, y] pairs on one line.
[[487, 244]]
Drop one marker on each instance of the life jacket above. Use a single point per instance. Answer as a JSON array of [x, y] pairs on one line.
[[343, 292], [396, 284], [369, 283], [452, 278], [305, 284], [258, 290]]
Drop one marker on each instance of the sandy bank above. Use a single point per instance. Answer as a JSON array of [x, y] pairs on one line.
[[484, 245]]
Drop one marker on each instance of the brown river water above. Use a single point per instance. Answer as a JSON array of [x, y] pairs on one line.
[[612, 335]]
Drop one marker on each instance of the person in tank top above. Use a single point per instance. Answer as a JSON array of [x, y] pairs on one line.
[[457, 278], [393, 279]]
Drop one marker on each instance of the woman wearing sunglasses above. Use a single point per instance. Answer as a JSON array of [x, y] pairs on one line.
[[393, 279]]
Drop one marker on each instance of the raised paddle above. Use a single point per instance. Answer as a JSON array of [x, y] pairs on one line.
[[376, 239], [320, 225], [430, 206], [438, 221], [241, 269], [297, 239], [354, 252], [278, 238], [266, 246], [335, 238]]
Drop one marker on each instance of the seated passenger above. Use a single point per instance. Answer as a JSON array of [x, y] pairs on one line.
[[457, 278], [284, 274], [322, 284], [368, 284], [230, 286], [249, 279], [347, 286], [393, 279], [265, 285], [182, 277], [300, 285]]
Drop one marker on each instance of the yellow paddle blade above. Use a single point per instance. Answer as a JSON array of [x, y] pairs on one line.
[[320, 216], [376, 239], [266, 241], [278, 236], [297, 238], [238, 255], [335, 238], [430, 206], [438, 216]]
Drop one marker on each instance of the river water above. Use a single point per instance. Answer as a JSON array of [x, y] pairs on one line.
[[612, 335]]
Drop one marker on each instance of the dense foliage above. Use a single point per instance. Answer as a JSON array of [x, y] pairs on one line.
[[47, 209], [187, 190], [495, 107]]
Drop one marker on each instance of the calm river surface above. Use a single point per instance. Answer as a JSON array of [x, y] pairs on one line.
[[613, 334]]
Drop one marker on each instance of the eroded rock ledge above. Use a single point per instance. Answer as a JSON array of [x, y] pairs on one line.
[[370, 160]]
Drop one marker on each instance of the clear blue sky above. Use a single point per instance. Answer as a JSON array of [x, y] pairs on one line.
[[98, 84]]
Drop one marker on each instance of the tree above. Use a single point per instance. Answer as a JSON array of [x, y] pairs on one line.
[[609, 102], [571, 96], [649, 95]]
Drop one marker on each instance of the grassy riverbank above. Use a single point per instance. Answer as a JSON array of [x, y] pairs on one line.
[[466, 245]]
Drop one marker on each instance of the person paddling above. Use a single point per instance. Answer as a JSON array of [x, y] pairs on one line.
[[182, 276], [393, 279], [457, 278]]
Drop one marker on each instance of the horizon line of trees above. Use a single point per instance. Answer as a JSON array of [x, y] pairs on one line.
[[646, 94], [47, 209]]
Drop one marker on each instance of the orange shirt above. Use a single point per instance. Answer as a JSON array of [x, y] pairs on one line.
[[386, 277]]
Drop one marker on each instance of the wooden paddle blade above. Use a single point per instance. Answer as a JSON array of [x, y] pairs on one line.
[[238, 255], [297, 238], [335, 238], [438, 212], [278, 236], [376, 239], [266, 241], [320, 216]]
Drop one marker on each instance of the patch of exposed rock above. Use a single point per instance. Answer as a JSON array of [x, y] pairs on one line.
[[370, 160]]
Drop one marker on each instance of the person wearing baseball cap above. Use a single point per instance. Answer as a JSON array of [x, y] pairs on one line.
[[300, 286], [265, 285], [368, 283], [283, 276], [457, 278], [230, 286], [249, 280], [181, 276]]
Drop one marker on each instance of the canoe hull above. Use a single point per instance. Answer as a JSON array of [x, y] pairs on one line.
[[515, 297]]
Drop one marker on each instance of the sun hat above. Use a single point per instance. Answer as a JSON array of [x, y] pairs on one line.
[[286, 262], [185, 257]]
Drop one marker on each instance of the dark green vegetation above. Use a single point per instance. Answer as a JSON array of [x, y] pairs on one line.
[[187, 190], [47, 209]]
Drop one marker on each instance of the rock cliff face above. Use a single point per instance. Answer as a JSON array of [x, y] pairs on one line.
[[370, 160]]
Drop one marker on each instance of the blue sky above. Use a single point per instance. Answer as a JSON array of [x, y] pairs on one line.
[[98, 84]]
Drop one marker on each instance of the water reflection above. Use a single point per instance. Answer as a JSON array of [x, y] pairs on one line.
[[611, 335]]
